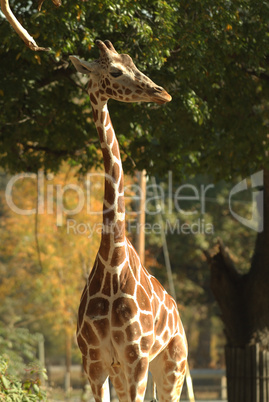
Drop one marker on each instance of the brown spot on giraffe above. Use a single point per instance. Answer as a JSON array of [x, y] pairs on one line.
[[161, 321], [123, 310], [118, 337], [121, 185], [159, 290], [146, 343], [119, 231], [93, 99], [115, 283], [133, 392], [133, 332], [170, 320], [118, 256], [142, 299], [121, 205], [141, 369], [97, 307], [106, 289], [109, 192], [107, 162], [115, 150], [95, 354], [104, 250], [101, 134], [127, 283], [109, 91], [95, 370], [89, 334], [132, 353], [109, 215], [146, 321], [110, 135], [82, 345], [95, 115], [115, 170], [102, 327], [156, 347]]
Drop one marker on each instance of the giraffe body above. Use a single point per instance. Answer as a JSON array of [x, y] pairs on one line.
[[127, 322]]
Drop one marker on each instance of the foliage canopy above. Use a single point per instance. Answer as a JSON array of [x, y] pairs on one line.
[[212, 57]]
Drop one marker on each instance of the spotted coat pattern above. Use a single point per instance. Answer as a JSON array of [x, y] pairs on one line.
[[127, 322]]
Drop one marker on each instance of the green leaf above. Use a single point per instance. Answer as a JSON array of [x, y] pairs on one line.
[[5, 382], [36, 388]]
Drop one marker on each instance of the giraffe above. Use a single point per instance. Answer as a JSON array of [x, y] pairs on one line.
[[127, 323]]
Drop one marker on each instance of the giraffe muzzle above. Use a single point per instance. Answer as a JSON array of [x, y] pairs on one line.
[[160, 96]]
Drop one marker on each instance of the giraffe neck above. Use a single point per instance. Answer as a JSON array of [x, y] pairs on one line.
[[113, 231]]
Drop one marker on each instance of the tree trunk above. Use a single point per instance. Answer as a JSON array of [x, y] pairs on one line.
[[68, 362], [204, 340], [244, 305]]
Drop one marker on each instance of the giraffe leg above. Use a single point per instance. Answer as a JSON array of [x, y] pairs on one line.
[[98, 379], [168, 371], [130, 382], [117, 377]]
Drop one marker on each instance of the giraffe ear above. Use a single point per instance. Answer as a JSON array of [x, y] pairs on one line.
[[82, 66]]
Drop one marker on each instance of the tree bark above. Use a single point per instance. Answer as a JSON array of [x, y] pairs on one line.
[[204, 357], [228, 287], [68, 362], [244, 299], [258, 279]]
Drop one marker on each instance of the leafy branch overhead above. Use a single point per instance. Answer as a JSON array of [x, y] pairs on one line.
[[211, 56], [21, 31]]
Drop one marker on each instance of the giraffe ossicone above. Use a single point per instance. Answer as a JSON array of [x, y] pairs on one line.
[[127, 323]]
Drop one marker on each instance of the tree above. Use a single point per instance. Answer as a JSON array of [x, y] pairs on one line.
[[212, 56], [44, 265], [195, 213], [213, 59], [36, 94], [45, 258]]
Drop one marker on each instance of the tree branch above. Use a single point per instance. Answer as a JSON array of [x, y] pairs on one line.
[[57, 3], [36, 231], [58, 152], [22, 32], [261, 75]]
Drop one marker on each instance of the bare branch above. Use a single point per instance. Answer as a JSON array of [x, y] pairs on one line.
[[57, 3], [24, 35]]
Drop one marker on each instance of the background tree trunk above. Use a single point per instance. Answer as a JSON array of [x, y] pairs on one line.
[[68, 362], [244, 303]]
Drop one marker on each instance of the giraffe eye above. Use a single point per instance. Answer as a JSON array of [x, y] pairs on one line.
[[116, 73]]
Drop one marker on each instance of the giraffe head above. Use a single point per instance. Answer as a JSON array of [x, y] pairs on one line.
[[115, 76]]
